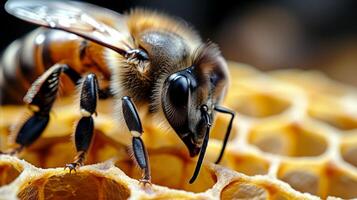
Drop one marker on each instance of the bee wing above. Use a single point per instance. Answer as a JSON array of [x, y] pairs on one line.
[[73, 17]]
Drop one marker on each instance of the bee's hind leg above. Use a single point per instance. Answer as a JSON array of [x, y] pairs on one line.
[[133, 122], [85, 126], [40, 98]]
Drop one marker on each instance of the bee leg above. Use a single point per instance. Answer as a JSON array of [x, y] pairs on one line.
[[85, 126], [132, 120], [40, 98]]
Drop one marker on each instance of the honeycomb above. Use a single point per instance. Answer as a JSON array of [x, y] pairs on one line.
[[294, 137]]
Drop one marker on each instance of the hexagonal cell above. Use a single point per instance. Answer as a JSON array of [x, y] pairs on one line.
[[74, 186], [173, 170], [243, 190], [339, 182], [289, 139], [302, 176], [257, 189], [8, 173], [339, 117], [256, 103], [323, 96], [243, 162], [348, 149], [248, 164]]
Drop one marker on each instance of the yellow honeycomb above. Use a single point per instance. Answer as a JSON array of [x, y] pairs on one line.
[[294, 137]]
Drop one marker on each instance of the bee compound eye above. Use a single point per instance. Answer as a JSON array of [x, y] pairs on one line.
[[178, 91]]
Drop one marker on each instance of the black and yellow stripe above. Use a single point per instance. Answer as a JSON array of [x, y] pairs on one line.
[[24, 60]]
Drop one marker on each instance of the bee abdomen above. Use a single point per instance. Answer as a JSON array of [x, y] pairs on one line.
[[20, 66], [24, 60]]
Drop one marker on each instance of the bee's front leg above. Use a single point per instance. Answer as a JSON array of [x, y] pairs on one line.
[[133, 122], [85, 126]]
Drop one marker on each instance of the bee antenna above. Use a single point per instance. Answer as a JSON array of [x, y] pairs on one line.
[[228, 131], [204, 109]]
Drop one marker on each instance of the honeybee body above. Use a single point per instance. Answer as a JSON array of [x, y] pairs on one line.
[[146, 60]]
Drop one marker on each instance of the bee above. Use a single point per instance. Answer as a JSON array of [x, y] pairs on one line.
[[146, 61]]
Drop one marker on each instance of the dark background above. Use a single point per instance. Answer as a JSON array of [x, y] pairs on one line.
[[318, 34]]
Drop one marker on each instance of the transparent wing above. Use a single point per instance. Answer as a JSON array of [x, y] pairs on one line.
[[74, 17]]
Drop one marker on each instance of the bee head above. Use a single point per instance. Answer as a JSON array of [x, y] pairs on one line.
[[189, 96]]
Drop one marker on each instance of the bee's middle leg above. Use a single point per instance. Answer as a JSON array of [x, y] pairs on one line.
[[85, 126], [133, 122]]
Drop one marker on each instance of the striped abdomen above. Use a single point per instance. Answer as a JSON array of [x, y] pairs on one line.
[[27, 58]]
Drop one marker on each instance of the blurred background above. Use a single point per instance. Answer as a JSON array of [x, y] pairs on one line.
[[307, 34]]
